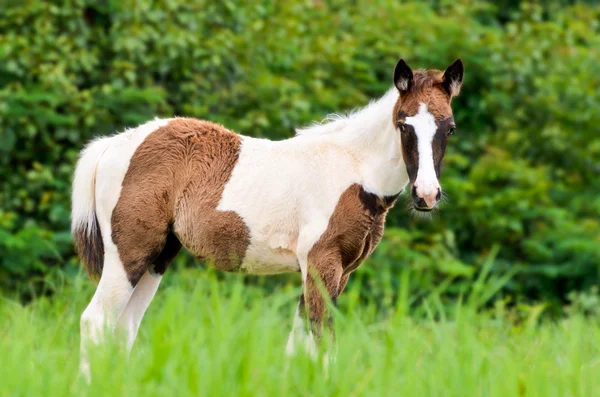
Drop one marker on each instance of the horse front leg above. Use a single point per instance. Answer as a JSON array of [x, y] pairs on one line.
[[322, 288], [299, 334]]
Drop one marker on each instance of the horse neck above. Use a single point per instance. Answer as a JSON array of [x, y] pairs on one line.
[[370, 135]]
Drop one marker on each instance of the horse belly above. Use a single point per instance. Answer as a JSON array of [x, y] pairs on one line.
[[270, 257]]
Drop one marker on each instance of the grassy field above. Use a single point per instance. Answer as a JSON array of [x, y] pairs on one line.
[[205, 337]]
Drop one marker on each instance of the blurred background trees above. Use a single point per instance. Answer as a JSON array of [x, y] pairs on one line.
[[522, 172]]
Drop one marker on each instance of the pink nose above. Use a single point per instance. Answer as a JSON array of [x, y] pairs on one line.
[[426, 199]]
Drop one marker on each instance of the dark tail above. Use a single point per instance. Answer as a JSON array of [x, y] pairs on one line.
[[90, 248], [84, 222]]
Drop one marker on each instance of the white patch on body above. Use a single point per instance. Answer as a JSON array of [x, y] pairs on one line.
[[286, 191], [423, 122]]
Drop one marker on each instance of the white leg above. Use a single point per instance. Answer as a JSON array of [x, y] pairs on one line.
[[298, 333], [136, 307], [109, 301]]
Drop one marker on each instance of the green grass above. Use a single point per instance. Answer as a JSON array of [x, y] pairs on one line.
[[205, 337]]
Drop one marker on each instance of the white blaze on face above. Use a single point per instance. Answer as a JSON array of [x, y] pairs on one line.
[[426, 183]]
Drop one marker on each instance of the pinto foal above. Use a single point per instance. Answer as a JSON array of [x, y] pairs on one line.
[[315, 203]]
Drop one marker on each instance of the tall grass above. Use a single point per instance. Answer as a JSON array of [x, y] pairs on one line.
[[202, 336]]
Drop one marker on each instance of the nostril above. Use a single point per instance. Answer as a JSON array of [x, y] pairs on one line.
[[438, 197], [414, 192]]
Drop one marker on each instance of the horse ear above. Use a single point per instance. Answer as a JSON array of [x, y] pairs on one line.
[[403, 77], [453, 77]]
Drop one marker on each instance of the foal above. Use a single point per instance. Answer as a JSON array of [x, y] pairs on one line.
[[315, 203]]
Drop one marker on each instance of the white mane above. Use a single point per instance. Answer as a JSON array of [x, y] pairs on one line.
[[378, 113]]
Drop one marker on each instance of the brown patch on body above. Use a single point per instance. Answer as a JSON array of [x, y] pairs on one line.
[[354, 230], [169, 197]]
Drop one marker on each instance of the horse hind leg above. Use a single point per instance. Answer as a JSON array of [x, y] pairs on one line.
[[133, 241], [110, 299], [145, 290]]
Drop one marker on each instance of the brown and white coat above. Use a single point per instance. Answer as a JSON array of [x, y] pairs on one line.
[[315, 203]]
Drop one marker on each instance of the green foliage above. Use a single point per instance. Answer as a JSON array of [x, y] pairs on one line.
[[521, 173]]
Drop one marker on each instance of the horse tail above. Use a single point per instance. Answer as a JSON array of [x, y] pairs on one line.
[[85, 229]]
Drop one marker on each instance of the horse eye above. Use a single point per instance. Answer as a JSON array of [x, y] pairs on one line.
[[402, 127], [452, 130]]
